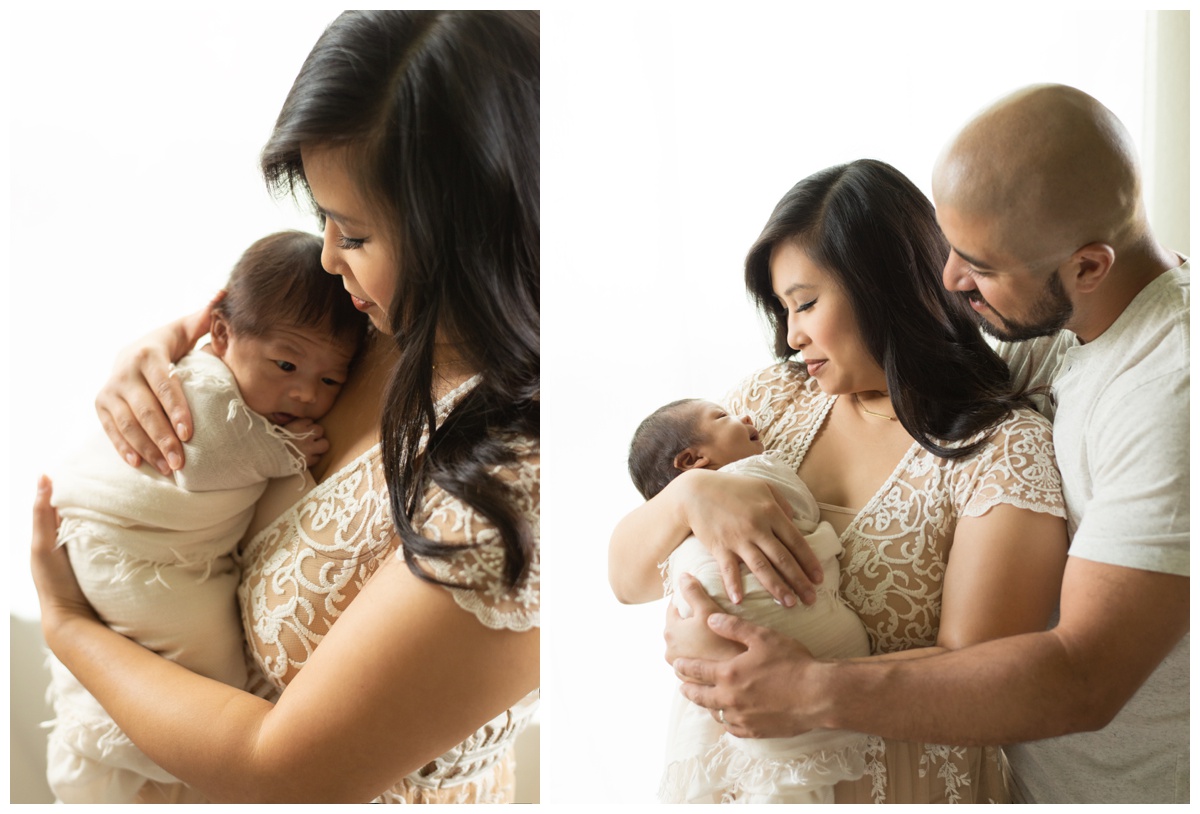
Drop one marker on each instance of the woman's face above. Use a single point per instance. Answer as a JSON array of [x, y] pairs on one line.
[[821, 324], [357, 240]]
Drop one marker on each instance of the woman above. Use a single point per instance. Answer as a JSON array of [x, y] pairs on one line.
[[935, 472], [415, 134]]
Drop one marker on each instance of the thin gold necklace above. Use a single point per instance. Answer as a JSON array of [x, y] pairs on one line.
[[863, 407]]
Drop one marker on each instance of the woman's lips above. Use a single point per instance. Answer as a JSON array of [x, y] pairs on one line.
[[360, 304], [813, 367]]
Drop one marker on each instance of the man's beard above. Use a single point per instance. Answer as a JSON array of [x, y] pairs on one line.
[[1050, 314]]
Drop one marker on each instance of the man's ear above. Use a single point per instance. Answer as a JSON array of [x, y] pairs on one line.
[[690, 459], [1089, 266], [219, 335]]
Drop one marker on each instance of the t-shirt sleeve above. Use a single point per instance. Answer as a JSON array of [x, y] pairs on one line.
[[1138, 514], [476, 572], [1033, 364]]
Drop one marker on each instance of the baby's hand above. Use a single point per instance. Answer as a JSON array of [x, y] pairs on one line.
[[310, 439]]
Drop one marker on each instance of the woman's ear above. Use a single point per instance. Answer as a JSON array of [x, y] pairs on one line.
[[219, 335], [690, 459]]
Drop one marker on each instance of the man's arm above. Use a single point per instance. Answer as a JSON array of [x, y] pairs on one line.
[[1116, 625]]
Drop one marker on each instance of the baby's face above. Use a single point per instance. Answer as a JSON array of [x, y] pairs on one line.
[[288, 373], [727, 438]]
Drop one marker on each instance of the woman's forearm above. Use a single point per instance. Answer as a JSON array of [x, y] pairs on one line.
[[351, 724], [198, 729], [641, 541]]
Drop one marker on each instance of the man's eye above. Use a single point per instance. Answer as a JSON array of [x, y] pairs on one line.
[[288, 366]]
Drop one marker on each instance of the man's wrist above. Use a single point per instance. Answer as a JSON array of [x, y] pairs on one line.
[[824, 681]]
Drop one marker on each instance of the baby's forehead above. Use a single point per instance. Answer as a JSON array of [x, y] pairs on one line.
[[310, 342]]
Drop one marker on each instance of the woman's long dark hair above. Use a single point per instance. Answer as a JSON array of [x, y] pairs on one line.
[[869, 227], [441, 111]]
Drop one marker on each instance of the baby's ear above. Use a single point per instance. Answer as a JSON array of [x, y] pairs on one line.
[[219, 335], [690, 459]]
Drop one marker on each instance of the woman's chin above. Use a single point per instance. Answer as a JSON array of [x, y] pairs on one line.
[[379, 320]]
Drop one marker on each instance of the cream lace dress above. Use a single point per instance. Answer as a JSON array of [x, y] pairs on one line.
[[895, 554], [301, 572]]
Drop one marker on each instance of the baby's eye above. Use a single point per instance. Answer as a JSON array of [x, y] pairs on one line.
[[288, 366], [331, 382]]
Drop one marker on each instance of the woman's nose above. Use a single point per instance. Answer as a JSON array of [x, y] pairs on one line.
[[796, 338], [331, 257]]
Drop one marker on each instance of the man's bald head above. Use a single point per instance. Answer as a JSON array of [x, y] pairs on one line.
[[1049, 169]]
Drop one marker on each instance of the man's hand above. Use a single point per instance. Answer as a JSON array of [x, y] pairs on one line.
[[757, 692], [690, 637]]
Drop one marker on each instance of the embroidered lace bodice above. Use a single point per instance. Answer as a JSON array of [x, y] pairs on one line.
[[300, 573], [895, 554]]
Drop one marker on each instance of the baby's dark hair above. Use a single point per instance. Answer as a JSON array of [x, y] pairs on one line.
[[279, 281], [661, 436]]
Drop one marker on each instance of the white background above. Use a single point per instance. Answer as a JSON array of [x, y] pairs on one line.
[[667, 139]]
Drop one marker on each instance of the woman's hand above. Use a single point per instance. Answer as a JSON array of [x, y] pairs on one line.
[[740, 519], [58, 591], [142, 407], [691, 637]]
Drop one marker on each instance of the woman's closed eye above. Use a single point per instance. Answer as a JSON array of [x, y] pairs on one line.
[[804, 306], [350, 242]]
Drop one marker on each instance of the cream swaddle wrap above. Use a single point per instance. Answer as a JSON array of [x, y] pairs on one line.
[[705, 764], [152, 555]]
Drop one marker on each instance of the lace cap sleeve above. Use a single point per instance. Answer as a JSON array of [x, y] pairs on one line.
[[478, 569], [1016, 467]]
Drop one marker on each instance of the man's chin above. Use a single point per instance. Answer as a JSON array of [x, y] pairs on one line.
[[1015, 333]]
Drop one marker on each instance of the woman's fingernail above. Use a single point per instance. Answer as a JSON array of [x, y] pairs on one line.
[[174, 461], [181, 431], [132, 459], [808, 597], [789, 600]]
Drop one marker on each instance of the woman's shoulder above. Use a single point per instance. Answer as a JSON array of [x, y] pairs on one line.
[[475, 572], [1014, 465], [1024, 424]]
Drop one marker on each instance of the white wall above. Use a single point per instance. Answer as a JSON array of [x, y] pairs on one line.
[[668, 140]]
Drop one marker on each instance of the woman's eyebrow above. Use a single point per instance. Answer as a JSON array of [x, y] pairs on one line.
[[337, 217], [792, 289]]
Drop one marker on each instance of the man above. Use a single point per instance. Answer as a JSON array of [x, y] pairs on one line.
[[1040, 200]]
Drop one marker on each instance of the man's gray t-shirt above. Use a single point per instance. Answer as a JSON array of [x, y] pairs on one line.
[[1121, 441]]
